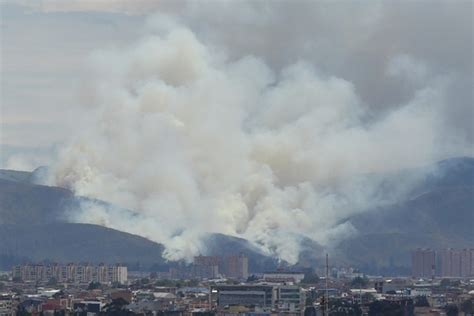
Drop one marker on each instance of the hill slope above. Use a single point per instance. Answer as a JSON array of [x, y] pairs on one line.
[[23, 203], [72, 242], [439, 213], [64, 242]]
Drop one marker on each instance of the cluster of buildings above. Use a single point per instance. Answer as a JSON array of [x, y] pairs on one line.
[[273, 293], [223, 286], [212, 267], [428, 263], [71, 273], [264, 294]]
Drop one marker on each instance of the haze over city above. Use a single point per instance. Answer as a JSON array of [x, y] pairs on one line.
[[252, 135]]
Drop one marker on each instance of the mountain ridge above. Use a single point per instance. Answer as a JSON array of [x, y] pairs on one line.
[[437, 212]]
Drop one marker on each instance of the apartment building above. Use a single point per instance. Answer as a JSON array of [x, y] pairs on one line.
[[71, 273]]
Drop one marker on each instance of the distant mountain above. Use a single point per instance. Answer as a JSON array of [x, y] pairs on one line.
[[438, 212], [72, 242], [452, 172], [65, 242], [25, 203], [14, 175], [311, 253], [37, 176], [224, 245], [33, 227], [442, 211]]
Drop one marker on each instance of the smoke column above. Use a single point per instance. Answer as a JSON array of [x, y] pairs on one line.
[[193, 141]]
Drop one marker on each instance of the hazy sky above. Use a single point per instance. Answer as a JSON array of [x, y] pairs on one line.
[[43, 59], [46, 44]]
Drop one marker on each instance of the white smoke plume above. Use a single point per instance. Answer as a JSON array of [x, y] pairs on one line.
[[194, 141]]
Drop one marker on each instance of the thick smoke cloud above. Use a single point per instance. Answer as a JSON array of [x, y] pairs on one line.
[[195, 139]]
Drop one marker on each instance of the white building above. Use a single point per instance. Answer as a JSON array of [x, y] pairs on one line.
[[6, 306], [283, 277]]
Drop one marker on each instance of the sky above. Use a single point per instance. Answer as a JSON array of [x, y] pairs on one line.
[[43, 59], [46, 45], [266, 116]]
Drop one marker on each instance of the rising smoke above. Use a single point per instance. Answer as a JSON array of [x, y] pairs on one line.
[[195, 140]]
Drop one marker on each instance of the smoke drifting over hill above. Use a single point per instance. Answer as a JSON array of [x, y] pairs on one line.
[[195, 138]]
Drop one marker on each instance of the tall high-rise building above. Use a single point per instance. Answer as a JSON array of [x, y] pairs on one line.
[[456, 263], [207, 260], [465, 263], [237, 267], [448, 262], [445, 262], [206, 267], [471, 255], [423, 263]]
